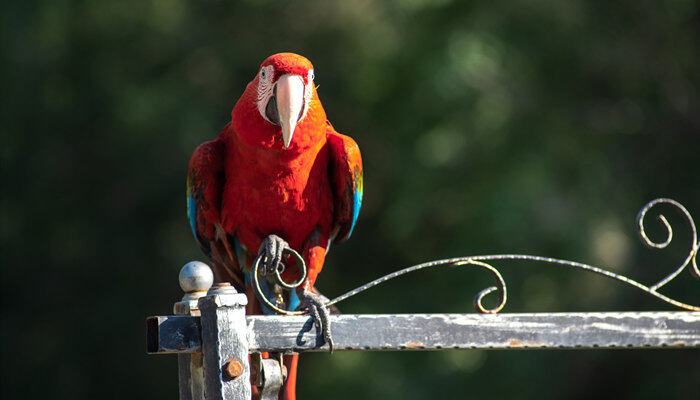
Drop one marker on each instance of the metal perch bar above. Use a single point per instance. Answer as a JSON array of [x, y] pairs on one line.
[[446, 331], [214, 338]]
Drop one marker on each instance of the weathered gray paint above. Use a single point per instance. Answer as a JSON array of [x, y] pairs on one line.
[[195, 280], [465, 331], [191, 376], [272, 379], [475, 331], [190, 368], [184, 376], [224, 337], [173, 334]]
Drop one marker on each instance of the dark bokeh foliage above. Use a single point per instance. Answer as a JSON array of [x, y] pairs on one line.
[[520, 126]]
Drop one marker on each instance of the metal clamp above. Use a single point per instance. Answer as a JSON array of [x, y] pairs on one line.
[[268, 374]]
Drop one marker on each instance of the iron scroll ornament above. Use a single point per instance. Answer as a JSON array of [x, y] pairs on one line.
[[500, 287]]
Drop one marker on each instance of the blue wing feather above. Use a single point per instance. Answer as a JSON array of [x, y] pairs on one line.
[[345, 174], [192, 211]]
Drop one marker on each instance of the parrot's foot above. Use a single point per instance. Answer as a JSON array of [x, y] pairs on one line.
[[316, 304], [271, 251]]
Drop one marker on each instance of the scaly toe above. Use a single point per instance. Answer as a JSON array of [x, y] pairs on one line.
[[320, 315]]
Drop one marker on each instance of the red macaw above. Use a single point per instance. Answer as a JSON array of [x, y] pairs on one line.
[[277, 176]]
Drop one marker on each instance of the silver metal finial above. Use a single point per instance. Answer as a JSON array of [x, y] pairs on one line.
[[195, 279], [196, 276]]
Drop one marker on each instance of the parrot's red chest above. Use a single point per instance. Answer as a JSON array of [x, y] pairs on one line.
[[267, 194]]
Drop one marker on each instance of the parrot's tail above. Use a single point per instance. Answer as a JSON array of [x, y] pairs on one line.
[[289, 388]]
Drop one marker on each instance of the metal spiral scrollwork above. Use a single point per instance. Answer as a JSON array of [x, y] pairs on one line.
[[482, 262], [475, 261], [691, 258], [502, 290]]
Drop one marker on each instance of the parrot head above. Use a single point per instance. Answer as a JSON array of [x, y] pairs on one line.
[[280, 108]]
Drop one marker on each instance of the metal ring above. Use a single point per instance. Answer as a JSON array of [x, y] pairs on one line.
[[279, 281], [300, 263]]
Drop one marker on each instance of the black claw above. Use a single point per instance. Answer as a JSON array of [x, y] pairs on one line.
[[271, 250], [320, 315]]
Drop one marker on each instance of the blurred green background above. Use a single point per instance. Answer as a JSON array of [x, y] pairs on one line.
[[539, 127]]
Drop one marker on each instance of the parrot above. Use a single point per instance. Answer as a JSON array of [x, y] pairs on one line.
[[278, 176]]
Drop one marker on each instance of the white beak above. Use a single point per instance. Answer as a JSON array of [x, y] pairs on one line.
[[290, 102]]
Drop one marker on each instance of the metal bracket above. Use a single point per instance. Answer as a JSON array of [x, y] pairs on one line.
[[272, 379], [268, 374]]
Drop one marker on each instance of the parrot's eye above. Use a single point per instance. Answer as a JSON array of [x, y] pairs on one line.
[[267, 105], [266, 73]]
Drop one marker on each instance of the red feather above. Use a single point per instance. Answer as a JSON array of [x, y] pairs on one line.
[[246, 186]]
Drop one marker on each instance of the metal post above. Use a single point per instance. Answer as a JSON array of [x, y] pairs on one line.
[[195, 279], [225, 344]]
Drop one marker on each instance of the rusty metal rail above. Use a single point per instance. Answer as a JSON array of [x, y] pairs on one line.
[[177, 334]]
